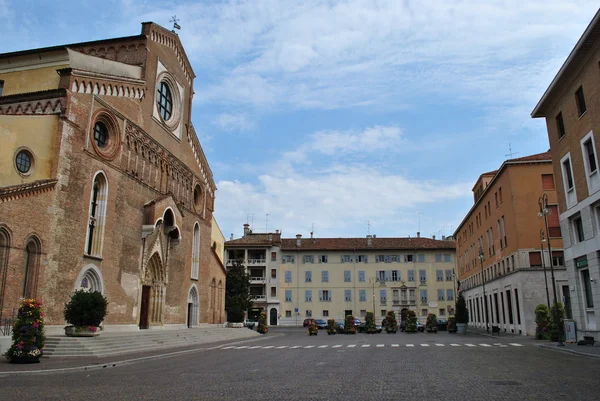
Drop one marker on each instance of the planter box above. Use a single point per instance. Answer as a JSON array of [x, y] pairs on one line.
[[72, 331], [461, 328], [22, 359], [235, 325]]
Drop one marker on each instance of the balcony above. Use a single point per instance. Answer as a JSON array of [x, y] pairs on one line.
[[257, 280], [259, 297], [396, 301], [257, 261], [423, 301]]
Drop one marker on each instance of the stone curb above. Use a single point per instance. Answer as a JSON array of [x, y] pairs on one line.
[[133, 360], [566, 350]]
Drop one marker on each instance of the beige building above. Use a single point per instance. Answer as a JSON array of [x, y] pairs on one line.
[[333, 277], [571, 108]]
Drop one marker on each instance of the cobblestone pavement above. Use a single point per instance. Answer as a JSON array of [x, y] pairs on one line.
[[433, 372]]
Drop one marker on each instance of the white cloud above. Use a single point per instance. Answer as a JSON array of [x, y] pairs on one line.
[[233, 122]]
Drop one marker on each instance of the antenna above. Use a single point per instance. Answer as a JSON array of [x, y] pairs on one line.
[[510, 152], [419, 214], [175, 21], [252, 224], [266, 223], [369, 227]]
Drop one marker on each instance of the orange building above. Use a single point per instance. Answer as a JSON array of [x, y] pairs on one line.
[[501, 245], [571, 107]]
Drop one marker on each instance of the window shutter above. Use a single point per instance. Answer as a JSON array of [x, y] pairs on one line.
[[320, 295], [547, 181], [535, 259]]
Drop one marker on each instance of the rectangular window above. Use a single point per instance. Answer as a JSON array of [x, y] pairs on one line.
[[580, 99], [548, 181], [273, 256], [409, 258], [273, 291], [440, 275], [591, 155], [322, 258], [517, 306], [587, 288], [442, 312], [361, 276], [308, 296], [308, 259], [447, 258], [288, 295], [423, 276], [1, 87], [500, 194], [308, 313], [560, 125], [362, 295], [347, 276], [379, 258], [346, 258], [396, 275], [423, 295], [287, 259], [411, 275], [288, 313], [361, 258], [348, 295], [424, 312], [273, 273], [325, 313], [509, 307], [421, 258], [568, 174], [438, 258], [496, 198], [558, 258], [288, 276], [324, 276], [380, 275], [440, 295], [308, 276], [325, 295], [450, 295], [382, 295], [578, 229], [448, 275]]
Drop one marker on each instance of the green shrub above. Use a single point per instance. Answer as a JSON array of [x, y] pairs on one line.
[[411, 321], [451, 326], [461, 314], [235, 315], [391, 324], [370, 323], [542, 321], [349, 326], [557, 316], [331, 326], [85, 309], [262, 323], [431, 324]]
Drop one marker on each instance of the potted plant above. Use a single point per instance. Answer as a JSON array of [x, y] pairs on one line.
[[542, 321], [28, 333], [349, 326], [411, 321], [461, 315], [431, 323], [451, 325], [84, 313], [391, 324], [313, 329], [370, 323], [330, 327], [262, 323]]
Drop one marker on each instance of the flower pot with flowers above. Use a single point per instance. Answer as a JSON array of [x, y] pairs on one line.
[[330, 327], [411, 321], [461, 315], [28, 333], [313, 329], [262, 327], [391, 324], [349, 325], [431, 324], [451, 325], [84, 313]]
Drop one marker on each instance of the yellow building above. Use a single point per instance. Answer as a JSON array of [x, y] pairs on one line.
[[333, 277]]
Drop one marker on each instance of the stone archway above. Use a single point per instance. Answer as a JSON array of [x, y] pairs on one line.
[[153, 293], [193, 306]]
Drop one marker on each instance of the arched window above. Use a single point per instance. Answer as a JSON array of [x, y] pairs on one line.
[[32, 263], [4, 247], [213, 294], [196, 252], [97, 216]]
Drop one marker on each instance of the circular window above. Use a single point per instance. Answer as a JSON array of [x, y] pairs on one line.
[[165, 101], [105, 134], [101, 134], [24, 161]]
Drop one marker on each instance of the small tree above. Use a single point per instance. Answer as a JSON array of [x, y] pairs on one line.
[[391, 324], [542, 321], [461, 314], [28, 333], [262, 323], [330, 326], [237, 292], [411, 321], [557, 316], [86, 309], [451, 326], [431, 324], [349, 326], [370, 323]]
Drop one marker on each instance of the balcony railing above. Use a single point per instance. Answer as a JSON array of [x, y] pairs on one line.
[[257, 261], [396, 302], [257, 280], [259, 297]]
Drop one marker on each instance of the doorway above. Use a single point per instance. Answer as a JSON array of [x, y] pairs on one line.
[[190, 314], [567, 301], [273, 317], [144, 307]]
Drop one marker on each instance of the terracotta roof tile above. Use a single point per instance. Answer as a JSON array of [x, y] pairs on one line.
[[538, 156], [361, 243], [256, 239]]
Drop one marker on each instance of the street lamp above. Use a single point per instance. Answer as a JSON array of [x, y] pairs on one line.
[[487, 329], [544, 265], [373, 280], [544, 212]]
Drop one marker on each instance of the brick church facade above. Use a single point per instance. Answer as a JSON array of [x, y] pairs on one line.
[[104, 185]]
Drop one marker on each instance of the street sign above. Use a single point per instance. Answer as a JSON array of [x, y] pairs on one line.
[[295, 309]]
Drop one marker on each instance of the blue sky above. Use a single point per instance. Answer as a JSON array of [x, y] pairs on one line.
[[339, 113]]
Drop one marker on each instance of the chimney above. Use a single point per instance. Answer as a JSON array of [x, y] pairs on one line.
[[298, 240], [369, 240], [246, 229], [418, 234], [276, 231], [311, 235], [443, 237], [433, 237], [231, 237], [374, 236]]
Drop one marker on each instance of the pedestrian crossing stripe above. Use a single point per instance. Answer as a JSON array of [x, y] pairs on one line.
[[322, 346], [380, 345], [495, 345], [410, 345], [470, 345], [455, 345], [439, 345], [268, 346], [295, 346], [424, 345], [282, 346], [516, 345], [395, 345], [309, 346], [336, 346], [366, 345], [254, 347], [485, 345], [351, 345]]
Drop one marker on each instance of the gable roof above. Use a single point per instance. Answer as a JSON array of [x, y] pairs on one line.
[[263, 239], [349, 244]]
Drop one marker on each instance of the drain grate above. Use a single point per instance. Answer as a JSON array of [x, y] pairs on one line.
[[506, 383]]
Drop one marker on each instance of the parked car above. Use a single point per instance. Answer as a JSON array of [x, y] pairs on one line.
[[321, 324], [442, 325], [379, 328], [361, 328], [339, 326], [357, 322], [250, 323], [307, 322], [420, 327]]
